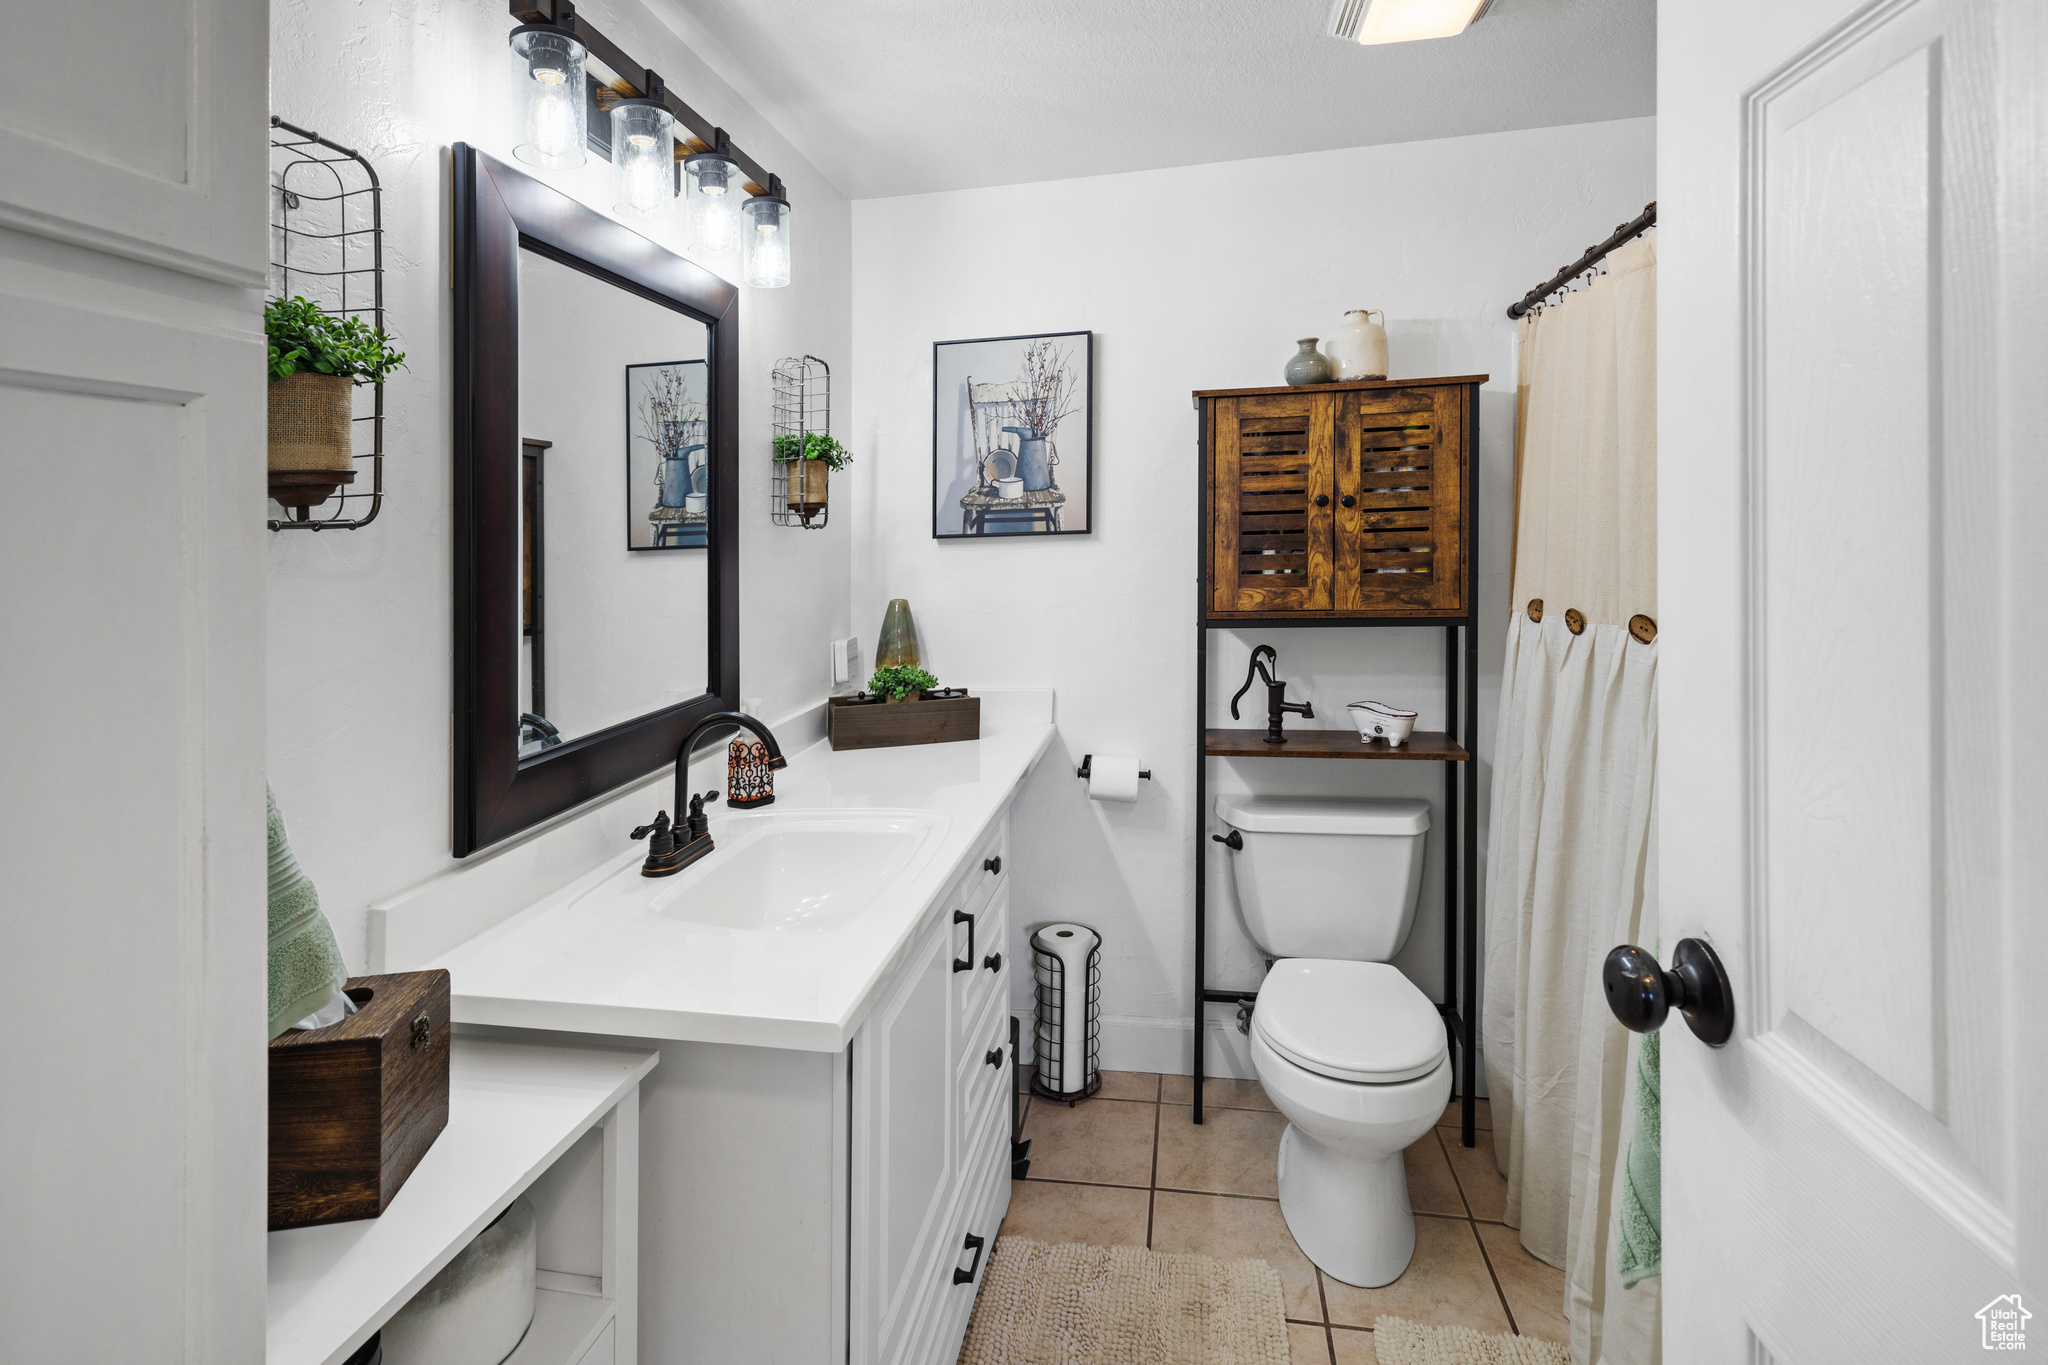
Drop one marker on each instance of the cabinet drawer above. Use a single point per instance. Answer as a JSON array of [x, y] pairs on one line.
[[978, 1081], [989, 973]]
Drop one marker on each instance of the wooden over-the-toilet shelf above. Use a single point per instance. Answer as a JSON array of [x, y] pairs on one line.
[[1425, 746]]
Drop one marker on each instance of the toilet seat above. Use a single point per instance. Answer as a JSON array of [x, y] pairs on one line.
[[1362, 1022]]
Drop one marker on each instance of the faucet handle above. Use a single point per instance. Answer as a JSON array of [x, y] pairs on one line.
[[659, 826]]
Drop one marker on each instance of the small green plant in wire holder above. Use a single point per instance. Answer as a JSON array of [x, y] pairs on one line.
[[812, 445]]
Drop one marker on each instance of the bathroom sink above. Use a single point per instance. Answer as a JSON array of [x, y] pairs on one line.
[[800, 872]]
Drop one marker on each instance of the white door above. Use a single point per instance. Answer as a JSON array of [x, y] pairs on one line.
[[132, 1123], [1855, 509]]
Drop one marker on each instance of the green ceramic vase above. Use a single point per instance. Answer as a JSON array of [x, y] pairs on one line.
[[898, 642], [1308, 365]]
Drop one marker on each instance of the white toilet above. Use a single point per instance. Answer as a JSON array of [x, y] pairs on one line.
[[1347, 1048]]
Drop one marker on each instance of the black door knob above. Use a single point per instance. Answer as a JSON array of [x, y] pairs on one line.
[[1642, 994], [1348, 500], [1322, 499]]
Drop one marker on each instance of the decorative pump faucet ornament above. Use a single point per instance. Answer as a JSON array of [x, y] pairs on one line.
[[1277, 704]]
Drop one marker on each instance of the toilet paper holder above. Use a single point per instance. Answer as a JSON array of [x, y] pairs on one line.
[[1082, 772]]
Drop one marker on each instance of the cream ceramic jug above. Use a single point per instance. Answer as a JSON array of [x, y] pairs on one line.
[[1359, 346]]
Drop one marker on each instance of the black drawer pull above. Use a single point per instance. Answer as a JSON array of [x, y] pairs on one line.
[[965, 964], [994, 962], [1348, 500], [993, 1057], [967, 1276], [1322, 499], [994, 865]]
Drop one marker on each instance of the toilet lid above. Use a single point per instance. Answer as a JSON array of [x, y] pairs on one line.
[[1351, 1021]]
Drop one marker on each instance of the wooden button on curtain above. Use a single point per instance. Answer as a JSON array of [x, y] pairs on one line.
[[1642, 627], [1574, 620], [1535, 609]]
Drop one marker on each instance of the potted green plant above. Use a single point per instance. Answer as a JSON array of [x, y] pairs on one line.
[[316, 359], [815, 455], [901, 682]]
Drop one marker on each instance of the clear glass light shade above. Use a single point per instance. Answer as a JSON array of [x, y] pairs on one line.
[[712, 192], [548, 69], [643, 159], [766, 259]]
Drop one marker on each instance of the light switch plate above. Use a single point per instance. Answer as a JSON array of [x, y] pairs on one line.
[[844, 652]]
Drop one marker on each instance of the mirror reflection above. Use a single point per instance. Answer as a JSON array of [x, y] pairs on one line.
[[615, 491]]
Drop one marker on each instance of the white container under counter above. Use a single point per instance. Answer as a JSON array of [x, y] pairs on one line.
[[514, 1112], [825, 1144]]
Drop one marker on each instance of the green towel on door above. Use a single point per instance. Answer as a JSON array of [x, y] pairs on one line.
[[1642, 1190], [306, 970]]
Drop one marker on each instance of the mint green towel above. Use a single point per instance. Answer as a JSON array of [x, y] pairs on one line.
[[306, 970], [1642, 1189]]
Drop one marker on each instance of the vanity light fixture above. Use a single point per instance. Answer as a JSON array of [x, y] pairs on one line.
[[1403, 21], [731, 201], [643, 154], [766, 259], [711, 198], [548, 67]]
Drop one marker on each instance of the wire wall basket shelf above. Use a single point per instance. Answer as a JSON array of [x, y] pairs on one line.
[[799, 493], [327, 245]]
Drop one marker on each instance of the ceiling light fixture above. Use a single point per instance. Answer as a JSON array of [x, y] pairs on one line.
[[711, 198], [1403, 21]]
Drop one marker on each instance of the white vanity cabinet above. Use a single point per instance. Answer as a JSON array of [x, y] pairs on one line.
[[931, 1083]]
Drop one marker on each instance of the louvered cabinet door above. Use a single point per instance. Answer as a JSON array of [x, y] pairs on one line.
[[1400, 479], [1269, 538]]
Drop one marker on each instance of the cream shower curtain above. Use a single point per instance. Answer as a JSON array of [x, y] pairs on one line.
[[1571, 865]]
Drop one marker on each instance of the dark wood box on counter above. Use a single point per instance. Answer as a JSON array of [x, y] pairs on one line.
[[929, 720], [355, 1105]]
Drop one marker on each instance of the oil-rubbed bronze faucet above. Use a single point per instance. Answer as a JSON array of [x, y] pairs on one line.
[[673, 848], [1277, 705]]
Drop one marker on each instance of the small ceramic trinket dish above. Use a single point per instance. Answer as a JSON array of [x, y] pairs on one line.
[[1377, 720]]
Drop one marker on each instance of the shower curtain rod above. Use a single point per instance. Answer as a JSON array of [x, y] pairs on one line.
[[1633, 228]]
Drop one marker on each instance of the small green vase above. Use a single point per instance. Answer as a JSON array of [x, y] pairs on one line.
[[1308, 365], [898, 642]]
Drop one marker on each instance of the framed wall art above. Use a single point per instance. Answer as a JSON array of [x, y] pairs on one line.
[[668, 464], [1012, 435]]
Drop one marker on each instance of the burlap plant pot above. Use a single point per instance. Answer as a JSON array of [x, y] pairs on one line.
[[809, 483], [309, 422]]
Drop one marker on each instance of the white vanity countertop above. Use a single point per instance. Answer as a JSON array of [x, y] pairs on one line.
[[566, 962]]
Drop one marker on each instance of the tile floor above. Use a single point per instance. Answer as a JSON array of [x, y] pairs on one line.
[[1128, 1167]]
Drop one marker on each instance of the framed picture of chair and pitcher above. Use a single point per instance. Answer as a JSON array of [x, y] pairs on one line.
[[1012, 424]]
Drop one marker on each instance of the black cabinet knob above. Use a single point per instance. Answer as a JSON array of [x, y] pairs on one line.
[[994, 962], [994, 1056], [994, 865], [1642, 994], [1348, 500], [1322, 499]]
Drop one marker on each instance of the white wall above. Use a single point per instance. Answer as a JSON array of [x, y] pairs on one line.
[[1199, 277], [360, 622]]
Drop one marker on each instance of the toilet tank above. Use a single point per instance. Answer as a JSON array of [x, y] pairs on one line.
[[1328, 877]]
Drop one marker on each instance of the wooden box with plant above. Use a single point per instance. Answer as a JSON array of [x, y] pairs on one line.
[[811, 457], [316, 360], [873, 719]]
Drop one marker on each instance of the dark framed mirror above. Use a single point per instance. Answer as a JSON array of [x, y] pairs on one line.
[[596, 406]]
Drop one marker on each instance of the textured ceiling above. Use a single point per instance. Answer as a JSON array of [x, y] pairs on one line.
[[893, 97]]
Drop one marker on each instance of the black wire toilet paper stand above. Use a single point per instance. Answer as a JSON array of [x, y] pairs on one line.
[[1049, 1029]]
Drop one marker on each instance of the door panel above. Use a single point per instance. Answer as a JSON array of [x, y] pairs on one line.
[[1844, 537], [1270, 542], [1400, 537]]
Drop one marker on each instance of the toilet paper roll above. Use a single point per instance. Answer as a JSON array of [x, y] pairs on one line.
[[1112, 777], [1071, 944]]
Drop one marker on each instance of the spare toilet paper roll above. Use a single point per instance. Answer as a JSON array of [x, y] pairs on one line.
[[1112, 777], [1071, 944]]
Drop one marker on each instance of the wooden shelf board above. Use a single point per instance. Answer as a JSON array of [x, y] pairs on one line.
[[1347, 385], [1424, 746]]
